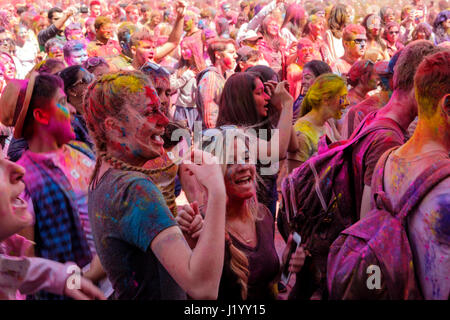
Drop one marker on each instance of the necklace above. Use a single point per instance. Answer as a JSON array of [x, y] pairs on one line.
[[239, 235], [121, 165]]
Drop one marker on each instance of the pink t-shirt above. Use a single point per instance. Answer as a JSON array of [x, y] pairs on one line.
[[429, 226]]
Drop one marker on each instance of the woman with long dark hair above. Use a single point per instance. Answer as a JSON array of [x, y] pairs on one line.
[[251, 101]]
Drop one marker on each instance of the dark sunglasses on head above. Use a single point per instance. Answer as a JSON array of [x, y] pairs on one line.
[[87, 78], [150, 66], [92, 62]]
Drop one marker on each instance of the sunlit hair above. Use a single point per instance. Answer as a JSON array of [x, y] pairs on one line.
[[408, 61], [100, 21], [237, 105], [142, 35], [324, 87], [351, 31], [431, 82], [360, 72], [294, 19], [312, 19], [338, 19], [111, 96]]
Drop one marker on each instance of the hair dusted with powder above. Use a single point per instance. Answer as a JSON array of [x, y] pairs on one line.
[[360, 72], [408, 61], [325, 86], [431, 82], [110, 96], [218, 45], [351, 31]]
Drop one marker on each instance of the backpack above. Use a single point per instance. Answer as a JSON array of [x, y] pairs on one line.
[[318, 203], [380, 242]]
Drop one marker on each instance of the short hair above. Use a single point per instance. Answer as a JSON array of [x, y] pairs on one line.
[[360, 71], [408, 61], [52, 11], [126, 30], [100, 21], [72, 26], [351, 31], [95, 2], [73, 45], [220, 45], [142, 35], [45, 87], [50, 65], [69, 75], [53, 42], [131, 7], [431, 82], [303, 42], [318, 67]]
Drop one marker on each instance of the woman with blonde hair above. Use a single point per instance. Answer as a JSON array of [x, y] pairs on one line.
[[325, 100], [251, 267]]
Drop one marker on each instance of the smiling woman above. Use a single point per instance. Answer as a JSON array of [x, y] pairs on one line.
[[139, 243]]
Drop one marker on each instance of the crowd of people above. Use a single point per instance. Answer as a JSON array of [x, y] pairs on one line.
[[113, 111]]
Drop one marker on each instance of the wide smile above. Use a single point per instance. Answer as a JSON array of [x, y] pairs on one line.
[[244, 181]]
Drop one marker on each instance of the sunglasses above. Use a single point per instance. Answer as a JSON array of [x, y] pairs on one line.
[[94, 61], [394, 32], [307, 50], [87, 78], [150, 66], [359, 41]]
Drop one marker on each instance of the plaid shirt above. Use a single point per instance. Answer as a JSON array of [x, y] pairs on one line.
[[58, 232], [210, 85]]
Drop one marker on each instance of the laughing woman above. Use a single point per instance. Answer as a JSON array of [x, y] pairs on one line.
[[138, 241]]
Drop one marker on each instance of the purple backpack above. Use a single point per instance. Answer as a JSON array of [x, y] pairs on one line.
[[373, 259], [319, 202]]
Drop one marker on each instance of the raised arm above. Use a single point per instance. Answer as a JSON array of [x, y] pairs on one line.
[[276, 148], [198, 271], [175, 35]]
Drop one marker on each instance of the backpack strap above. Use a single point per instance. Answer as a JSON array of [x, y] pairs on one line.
[[421, 186], [379, 196]]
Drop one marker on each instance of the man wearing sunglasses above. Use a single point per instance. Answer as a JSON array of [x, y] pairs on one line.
[[354, 40]]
